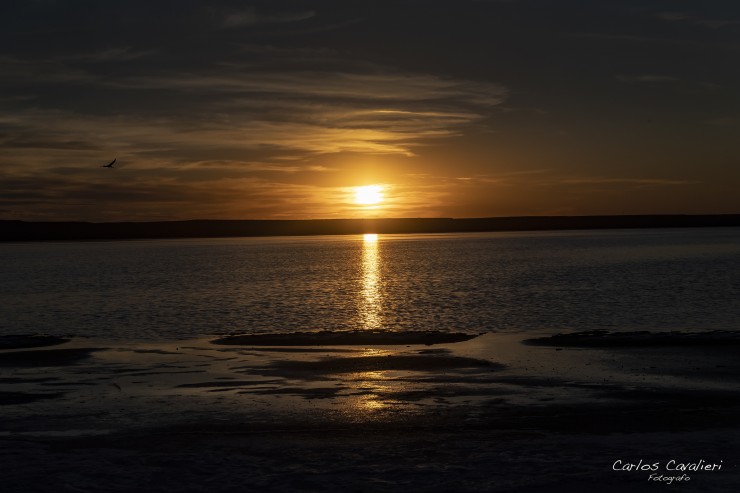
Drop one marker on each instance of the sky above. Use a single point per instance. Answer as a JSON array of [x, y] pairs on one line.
[[281, 109]]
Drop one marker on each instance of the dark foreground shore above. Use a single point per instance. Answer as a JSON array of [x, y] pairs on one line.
[[486, 414]]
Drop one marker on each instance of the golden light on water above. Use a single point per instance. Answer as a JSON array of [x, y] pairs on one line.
[[371, 296], [369, 195], [378, 384]]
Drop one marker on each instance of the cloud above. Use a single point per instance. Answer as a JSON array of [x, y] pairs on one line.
[[250, 17], [335, 85], [237, 100], [628, 181], [113, 54], [648, 78], [385, 112], [145, 195], [17, 72], [672, 16], [272, 167], [236, 136], [675, 41], [236, 110], [236, 139], [724, 121]]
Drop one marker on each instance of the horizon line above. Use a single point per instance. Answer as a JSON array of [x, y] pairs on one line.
[[416, 218], [214, 228]]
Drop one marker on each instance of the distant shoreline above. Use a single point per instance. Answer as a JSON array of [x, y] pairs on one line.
[[11, 230]]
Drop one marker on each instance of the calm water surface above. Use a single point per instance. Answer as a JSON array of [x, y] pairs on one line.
[[618, 280]]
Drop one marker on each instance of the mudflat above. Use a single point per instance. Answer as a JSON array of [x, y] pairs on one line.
[[487, 414]]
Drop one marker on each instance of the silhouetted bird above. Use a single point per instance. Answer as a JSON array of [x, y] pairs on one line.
[[109, 165]]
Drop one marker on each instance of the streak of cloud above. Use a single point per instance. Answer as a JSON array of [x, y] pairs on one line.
[[305, 111], [673, 16], [251, 17], [628, 181], [647, 78]]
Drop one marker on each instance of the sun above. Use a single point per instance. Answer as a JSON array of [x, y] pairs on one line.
[[369, 195]]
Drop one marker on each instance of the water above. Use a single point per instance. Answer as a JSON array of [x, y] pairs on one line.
[[541, 281]]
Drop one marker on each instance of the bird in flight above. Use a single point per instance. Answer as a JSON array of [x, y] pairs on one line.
[[109, 165]]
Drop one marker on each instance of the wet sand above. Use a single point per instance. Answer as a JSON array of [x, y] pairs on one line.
[[487, 414]]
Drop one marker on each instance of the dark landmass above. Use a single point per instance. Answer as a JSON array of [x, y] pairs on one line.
[[22, 341], [45, 231], [606, 339], [47, 357], [16, 398], [344, 338]]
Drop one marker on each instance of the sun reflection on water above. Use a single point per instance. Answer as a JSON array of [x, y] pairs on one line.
[[375, 385], [371, 298], [371, 383]]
